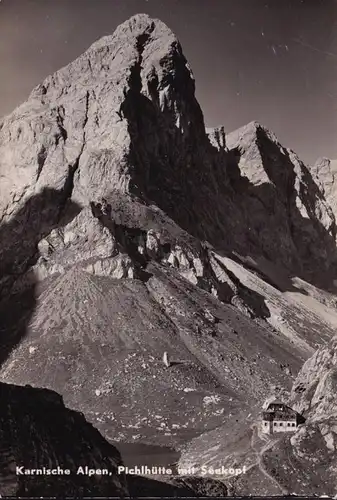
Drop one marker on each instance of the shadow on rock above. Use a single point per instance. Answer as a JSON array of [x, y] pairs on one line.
[[221, 205], [36, 431], [18, 253]]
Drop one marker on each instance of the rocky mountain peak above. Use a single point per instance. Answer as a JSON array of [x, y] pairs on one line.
[[82, 123], [129, 231], [123, 118], [120, 118], [134, 27]]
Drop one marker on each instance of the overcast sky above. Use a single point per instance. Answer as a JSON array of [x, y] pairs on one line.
[[274, 61]]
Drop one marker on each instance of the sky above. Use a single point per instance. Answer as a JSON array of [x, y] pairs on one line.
[[273, 61]]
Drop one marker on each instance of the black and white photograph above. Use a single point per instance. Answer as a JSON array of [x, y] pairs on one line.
[[168, 248]]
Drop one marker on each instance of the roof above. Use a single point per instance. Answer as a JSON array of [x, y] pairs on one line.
[[279, 415], [277, 406], [279, 411]]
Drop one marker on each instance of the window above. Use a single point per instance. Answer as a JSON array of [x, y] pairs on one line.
[[293, 424], [266, 423], [288, 424], [281, 423], [275, 423]]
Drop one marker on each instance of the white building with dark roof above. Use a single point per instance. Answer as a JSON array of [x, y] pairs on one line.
[[279, 417]]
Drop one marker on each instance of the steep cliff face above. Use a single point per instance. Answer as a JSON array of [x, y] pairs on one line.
[[324, 172], [314, 390], [288, 219]]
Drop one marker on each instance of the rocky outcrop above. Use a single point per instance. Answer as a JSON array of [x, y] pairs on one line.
[[324, 172], [287, 218], [314, 390], [36, 431]]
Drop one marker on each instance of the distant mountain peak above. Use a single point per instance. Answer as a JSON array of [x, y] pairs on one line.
[[250, 133]]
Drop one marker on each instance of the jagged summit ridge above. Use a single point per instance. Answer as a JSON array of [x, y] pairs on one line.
[[136, 26], [123, 118]]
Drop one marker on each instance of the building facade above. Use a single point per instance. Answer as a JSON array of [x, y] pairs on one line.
[[279, 417]]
